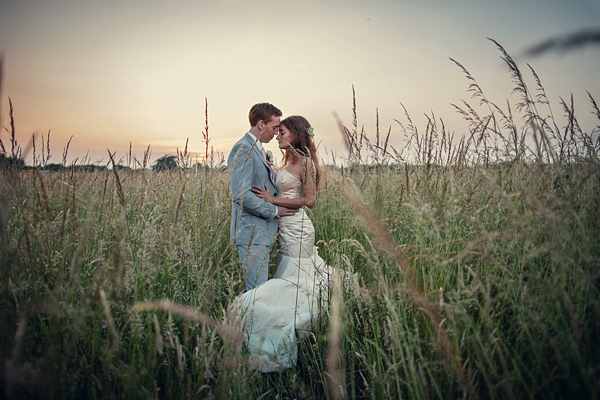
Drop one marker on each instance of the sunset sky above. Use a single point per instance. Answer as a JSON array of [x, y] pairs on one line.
[[110, 73]]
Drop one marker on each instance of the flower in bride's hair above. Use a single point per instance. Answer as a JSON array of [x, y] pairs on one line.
[[310, 131], [269, 156]]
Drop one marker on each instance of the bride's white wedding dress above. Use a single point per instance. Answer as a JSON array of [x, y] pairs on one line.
[[288, 303]]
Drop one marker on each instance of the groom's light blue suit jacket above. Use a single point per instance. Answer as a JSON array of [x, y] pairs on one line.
[[253, 220]]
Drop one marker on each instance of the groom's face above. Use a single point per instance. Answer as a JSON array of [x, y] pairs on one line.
[[269, 129]]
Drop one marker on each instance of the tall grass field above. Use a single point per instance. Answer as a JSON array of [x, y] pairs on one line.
[[478, 255]]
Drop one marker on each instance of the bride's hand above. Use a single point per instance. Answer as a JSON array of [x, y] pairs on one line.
[[263, 193]]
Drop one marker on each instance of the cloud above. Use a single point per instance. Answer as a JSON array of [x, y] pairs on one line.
[[566, 42]]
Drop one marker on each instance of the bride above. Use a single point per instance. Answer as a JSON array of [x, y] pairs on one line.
[[286, 305]]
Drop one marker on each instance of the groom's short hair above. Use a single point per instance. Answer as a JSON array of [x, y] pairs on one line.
[[263, 111]]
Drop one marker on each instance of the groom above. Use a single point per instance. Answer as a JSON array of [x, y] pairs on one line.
[[254, 222]]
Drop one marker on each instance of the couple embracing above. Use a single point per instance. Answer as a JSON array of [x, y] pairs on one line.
[[268, 209]]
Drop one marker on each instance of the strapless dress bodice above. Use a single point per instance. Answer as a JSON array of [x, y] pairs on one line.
[[296, 232], [288, 185]]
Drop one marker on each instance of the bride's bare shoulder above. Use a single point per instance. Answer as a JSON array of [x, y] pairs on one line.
[[301, 168], [307, 168]]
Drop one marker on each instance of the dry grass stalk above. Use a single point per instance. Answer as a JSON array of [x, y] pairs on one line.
[[205, 132], [109, 319], [44, 200], [181, 195], [336, 382], [159, 339], [183, 311], [119, 186], [231, 327]]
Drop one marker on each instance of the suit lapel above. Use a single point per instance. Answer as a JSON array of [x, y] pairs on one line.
[[259, 155]]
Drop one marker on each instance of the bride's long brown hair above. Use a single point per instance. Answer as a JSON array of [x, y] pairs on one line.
[[302, 143]]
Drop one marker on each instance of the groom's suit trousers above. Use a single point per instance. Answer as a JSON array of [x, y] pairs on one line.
[[256, 264]]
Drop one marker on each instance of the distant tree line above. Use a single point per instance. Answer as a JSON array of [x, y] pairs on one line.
[[11, 162], [172, 162], [164, 163]]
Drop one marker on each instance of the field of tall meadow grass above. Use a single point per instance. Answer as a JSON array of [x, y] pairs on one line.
[[478, 257]]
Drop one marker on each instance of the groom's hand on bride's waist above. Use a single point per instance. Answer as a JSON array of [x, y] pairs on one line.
[[286, 212]]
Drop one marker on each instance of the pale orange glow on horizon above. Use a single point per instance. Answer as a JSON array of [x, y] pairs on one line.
[[115, 74]]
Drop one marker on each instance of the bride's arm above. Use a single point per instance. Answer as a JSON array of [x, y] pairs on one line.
[[308, 184], [297, 202]]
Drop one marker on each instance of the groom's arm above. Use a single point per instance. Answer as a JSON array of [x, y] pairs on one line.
[[241, 164]]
